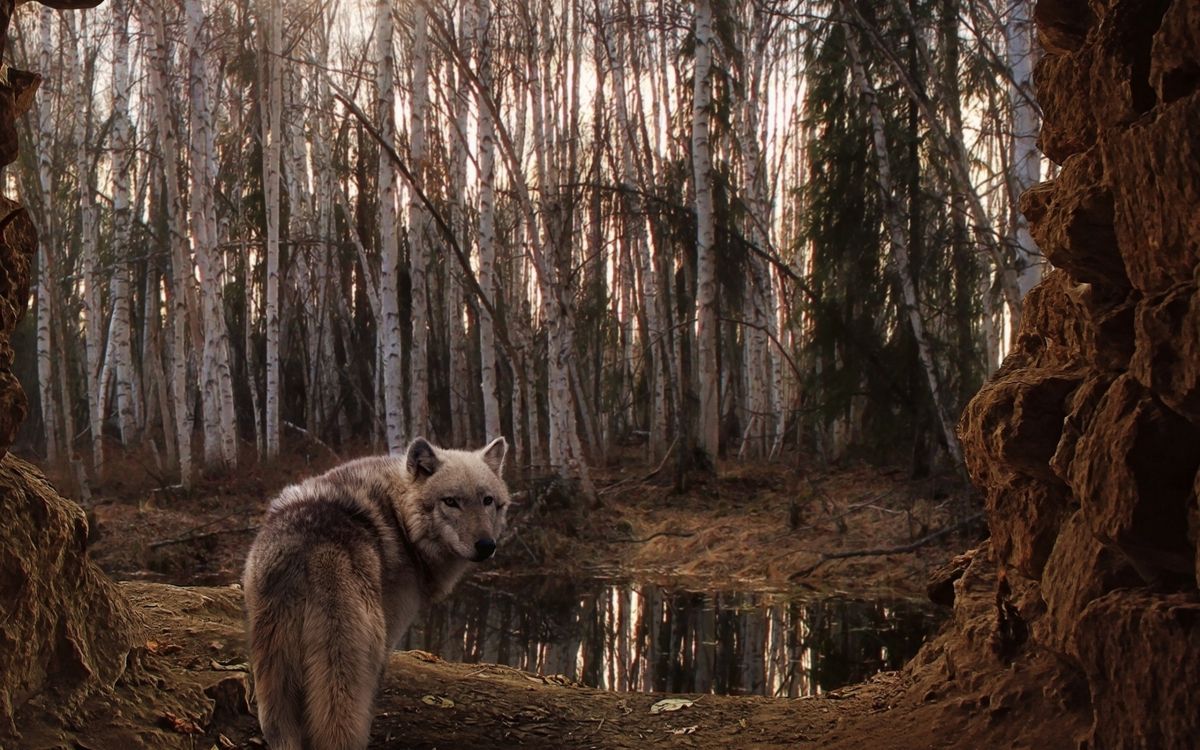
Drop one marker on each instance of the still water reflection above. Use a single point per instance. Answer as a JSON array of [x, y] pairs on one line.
[[636, 636]]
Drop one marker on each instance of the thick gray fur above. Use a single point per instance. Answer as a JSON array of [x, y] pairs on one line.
[[343, 564]]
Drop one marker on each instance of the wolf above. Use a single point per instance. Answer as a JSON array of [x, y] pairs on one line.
[[342, 565]]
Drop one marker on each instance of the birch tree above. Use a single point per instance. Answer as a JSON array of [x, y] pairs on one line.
[[181, 262], [220, 426], [120, 322], [1025, 159], [271, 137], [92, 302], [899, 245], [487, 226], [389, 256], [708, 434], [418, 403], [47, 240]]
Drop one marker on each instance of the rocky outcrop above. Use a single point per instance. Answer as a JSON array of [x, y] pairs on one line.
[[65, 630], [1086, 443]]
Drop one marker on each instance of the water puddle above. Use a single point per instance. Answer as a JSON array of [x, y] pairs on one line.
[[641, 637]]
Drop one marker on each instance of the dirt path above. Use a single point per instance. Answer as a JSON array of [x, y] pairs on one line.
[[187, 687]]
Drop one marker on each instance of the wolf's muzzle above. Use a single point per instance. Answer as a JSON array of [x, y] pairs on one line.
[[484, 548]]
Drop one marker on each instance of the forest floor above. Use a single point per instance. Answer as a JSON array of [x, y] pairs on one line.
[[187, 686], [758, 526]]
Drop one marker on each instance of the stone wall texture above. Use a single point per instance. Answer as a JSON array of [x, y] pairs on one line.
[[1086, 443]]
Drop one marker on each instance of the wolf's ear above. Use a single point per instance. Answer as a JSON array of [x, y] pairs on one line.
[[493, 454], [422, 460]]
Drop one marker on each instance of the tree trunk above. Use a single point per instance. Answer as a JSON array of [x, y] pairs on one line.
[[899, 245], [708, 434], [181, 262], [220, 427], [460, 389], [1026, 160], [272, 123], [487, 231], [121, 323], [417, 230], [93, 303], [46, 275]]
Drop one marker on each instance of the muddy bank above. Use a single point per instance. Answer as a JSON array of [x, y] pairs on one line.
[[186, 685]]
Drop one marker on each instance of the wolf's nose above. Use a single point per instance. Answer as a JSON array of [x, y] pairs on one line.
[[484, 548]]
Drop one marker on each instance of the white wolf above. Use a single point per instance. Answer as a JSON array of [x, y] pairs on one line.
[[343, 564]]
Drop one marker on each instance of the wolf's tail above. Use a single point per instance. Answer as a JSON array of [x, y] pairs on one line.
[[275, 637], [343, 648]]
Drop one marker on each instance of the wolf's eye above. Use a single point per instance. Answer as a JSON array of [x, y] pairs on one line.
[[488, 500], [450, 501]]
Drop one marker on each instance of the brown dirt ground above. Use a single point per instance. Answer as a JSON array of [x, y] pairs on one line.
[[187, 683], [187, 686]]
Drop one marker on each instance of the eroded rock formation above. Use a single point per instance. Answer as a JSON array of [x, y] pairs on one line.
[[64, 628], [1087, 441]]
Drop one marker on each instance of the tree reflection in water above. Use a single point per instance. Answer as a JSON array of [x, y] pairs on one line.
[[635, 636]]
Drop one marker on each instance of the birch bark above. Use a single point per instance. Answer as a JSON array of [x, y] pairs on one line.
[[47, 240], [460, 389], [487, 228], [93, 301], [1026, 160], [388, 302], [180, 258], [708, 434], [899, 245], [638, 246], [121, 322], [271, 138], [417, 229], [220, 427]]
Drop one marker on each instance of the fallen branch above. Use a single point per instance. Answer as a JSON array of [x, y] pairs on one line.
[[655, 535], [897, 550], [196, 537], [646, 478], [309, 436]]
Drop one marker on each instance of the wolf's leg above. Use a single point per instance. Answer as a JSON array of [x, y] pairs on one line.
[[275, 643], [344, 635]]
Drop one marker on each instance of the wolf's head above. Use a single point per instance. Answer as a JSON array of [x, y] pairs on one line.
[[462, 495]]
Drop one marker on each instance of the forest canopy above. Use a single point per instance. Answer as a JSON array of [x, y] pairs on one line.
[[728, 227]]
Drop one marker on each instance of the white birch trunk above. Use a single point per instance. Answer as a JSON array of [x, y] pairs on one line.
[[460, 389], [181, 261], [272, 120], [631, 236], [559, 345], [1026, 160], [899, 245], [387, 303], [93, 303], [46, 240], [417, 226], [121, 323], [220, 427], [329, 302], [708, 434], [758, 299], [487, 232]]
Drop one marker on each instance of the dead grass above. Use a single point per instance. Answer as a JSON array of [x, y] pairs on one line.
[[753, 528]]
